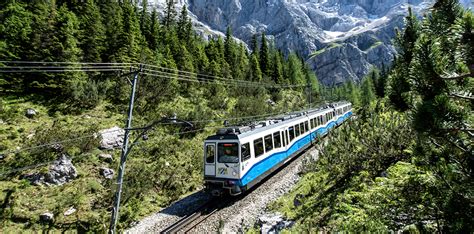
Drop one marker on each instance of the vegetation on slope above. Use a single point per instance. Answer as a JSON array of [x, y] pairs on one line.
[[75, 104], [407, 166]]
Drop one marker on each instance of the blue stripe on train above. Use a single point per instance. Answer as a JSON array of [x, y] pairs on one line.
[[272, 160]]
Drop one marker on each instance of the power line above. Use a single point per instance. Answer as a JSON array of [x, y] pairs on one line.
[[163, 72], [88, 154], [94, 135]]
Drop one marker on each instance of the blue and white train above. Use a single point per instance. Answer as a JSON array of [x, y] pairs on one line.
[[237, 158]]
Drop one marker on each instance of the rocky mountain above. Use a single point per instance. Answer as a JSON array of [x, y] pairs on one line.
[[340, 39]]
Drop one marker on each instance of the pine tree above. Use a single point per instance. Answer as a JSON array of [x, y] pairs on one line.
[[254, 45], [145, 23], [184, 25], [277, 69], [399, 84], [130, 38], [367, 89], [154, 31], [15, 30], [93, 32], [264, 56], [113, 22], [295, 70], [229, 47], [169, 19], [254, 72]]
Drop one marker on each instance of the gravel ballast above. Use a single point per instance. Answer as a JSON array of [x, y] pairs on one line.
[[238, 216]]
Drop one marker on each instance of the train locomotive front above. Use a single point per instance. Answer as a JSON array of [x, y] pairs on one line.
[[222, 163]]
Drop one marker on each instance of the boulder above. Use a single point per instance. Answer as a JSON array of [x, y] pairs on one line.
[[107, 172], [47, 217], [70, 211], [30, 113], [111, 138], [273, 223], [106, 158], [62, 171]]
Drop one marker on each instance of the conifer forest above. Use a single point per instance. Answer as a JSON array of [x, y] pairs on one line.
[[404, 162]]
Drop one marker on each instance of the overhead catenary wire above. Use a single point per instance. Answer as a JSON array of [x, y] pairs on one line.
[[89, 154], [95, 135], [157, 71]]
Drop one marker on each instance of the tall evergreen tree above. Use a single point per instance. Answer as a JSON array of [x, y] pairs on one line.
[[277, 68], [295, 70], [264, 56], [93, 32], [113, 22], [169, 19], [254, 44], [184, 27], [367, 95], [399, 84], [254, 72]]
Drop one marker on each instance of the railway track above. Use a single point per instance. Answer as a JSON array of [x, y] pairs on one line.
[[188, 222]]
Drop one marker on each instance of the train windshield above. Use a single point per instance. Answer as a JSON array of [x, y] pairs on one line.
[[228, 152]]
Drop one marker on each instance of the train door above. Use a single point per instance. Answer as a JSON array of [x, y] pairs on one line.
[[210, 159]]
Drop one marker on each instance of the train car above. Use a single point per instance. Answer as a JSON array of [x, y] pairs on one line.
[[238, 158]]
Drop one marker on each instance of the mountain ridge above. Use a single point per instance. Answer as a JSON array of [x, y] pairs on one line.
[[339, 39]]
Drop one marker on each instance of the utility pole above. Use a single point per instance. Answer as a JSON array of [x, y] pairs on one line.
[[124, 154]]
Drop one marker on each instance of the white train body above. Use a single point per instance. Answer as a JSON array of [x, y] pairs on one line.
[[236, 160]]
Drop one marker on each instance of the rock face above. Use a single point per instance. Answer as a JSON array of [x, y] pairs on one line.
[[340, 39], [111, 138], [273, 223]]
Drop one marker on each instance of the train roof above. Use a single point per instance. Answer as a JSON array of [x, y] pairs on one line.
[[242, 131]]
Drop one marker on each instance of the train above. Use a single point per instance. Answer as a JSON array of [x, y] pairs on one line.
[[238, 158]]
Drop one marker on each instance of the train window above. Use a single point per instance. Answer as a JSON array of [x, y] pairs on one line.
[[210, 153], [245, 151], [228, 152], [283, 134], [297, 130], [268, 143], [258, 147], [277, 139], [306, 126], [302, 128], [291, 133]]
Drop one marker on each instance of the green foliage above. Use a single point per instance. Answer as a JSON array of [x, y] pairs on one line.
[[408, 171], [79, 104], [338, 190]]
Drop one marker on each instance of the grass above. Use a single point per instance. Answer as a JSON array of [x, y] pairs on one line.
[[21, 204], [318, 52], [376, 44]]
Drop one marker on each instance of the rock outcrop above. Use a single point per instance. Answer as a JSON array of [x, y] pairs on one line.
[[273, 223], [60, 172], [111, 138]]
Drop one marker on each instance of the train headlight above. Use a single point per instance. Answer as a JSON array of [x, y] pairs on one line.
[[234, 173]]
